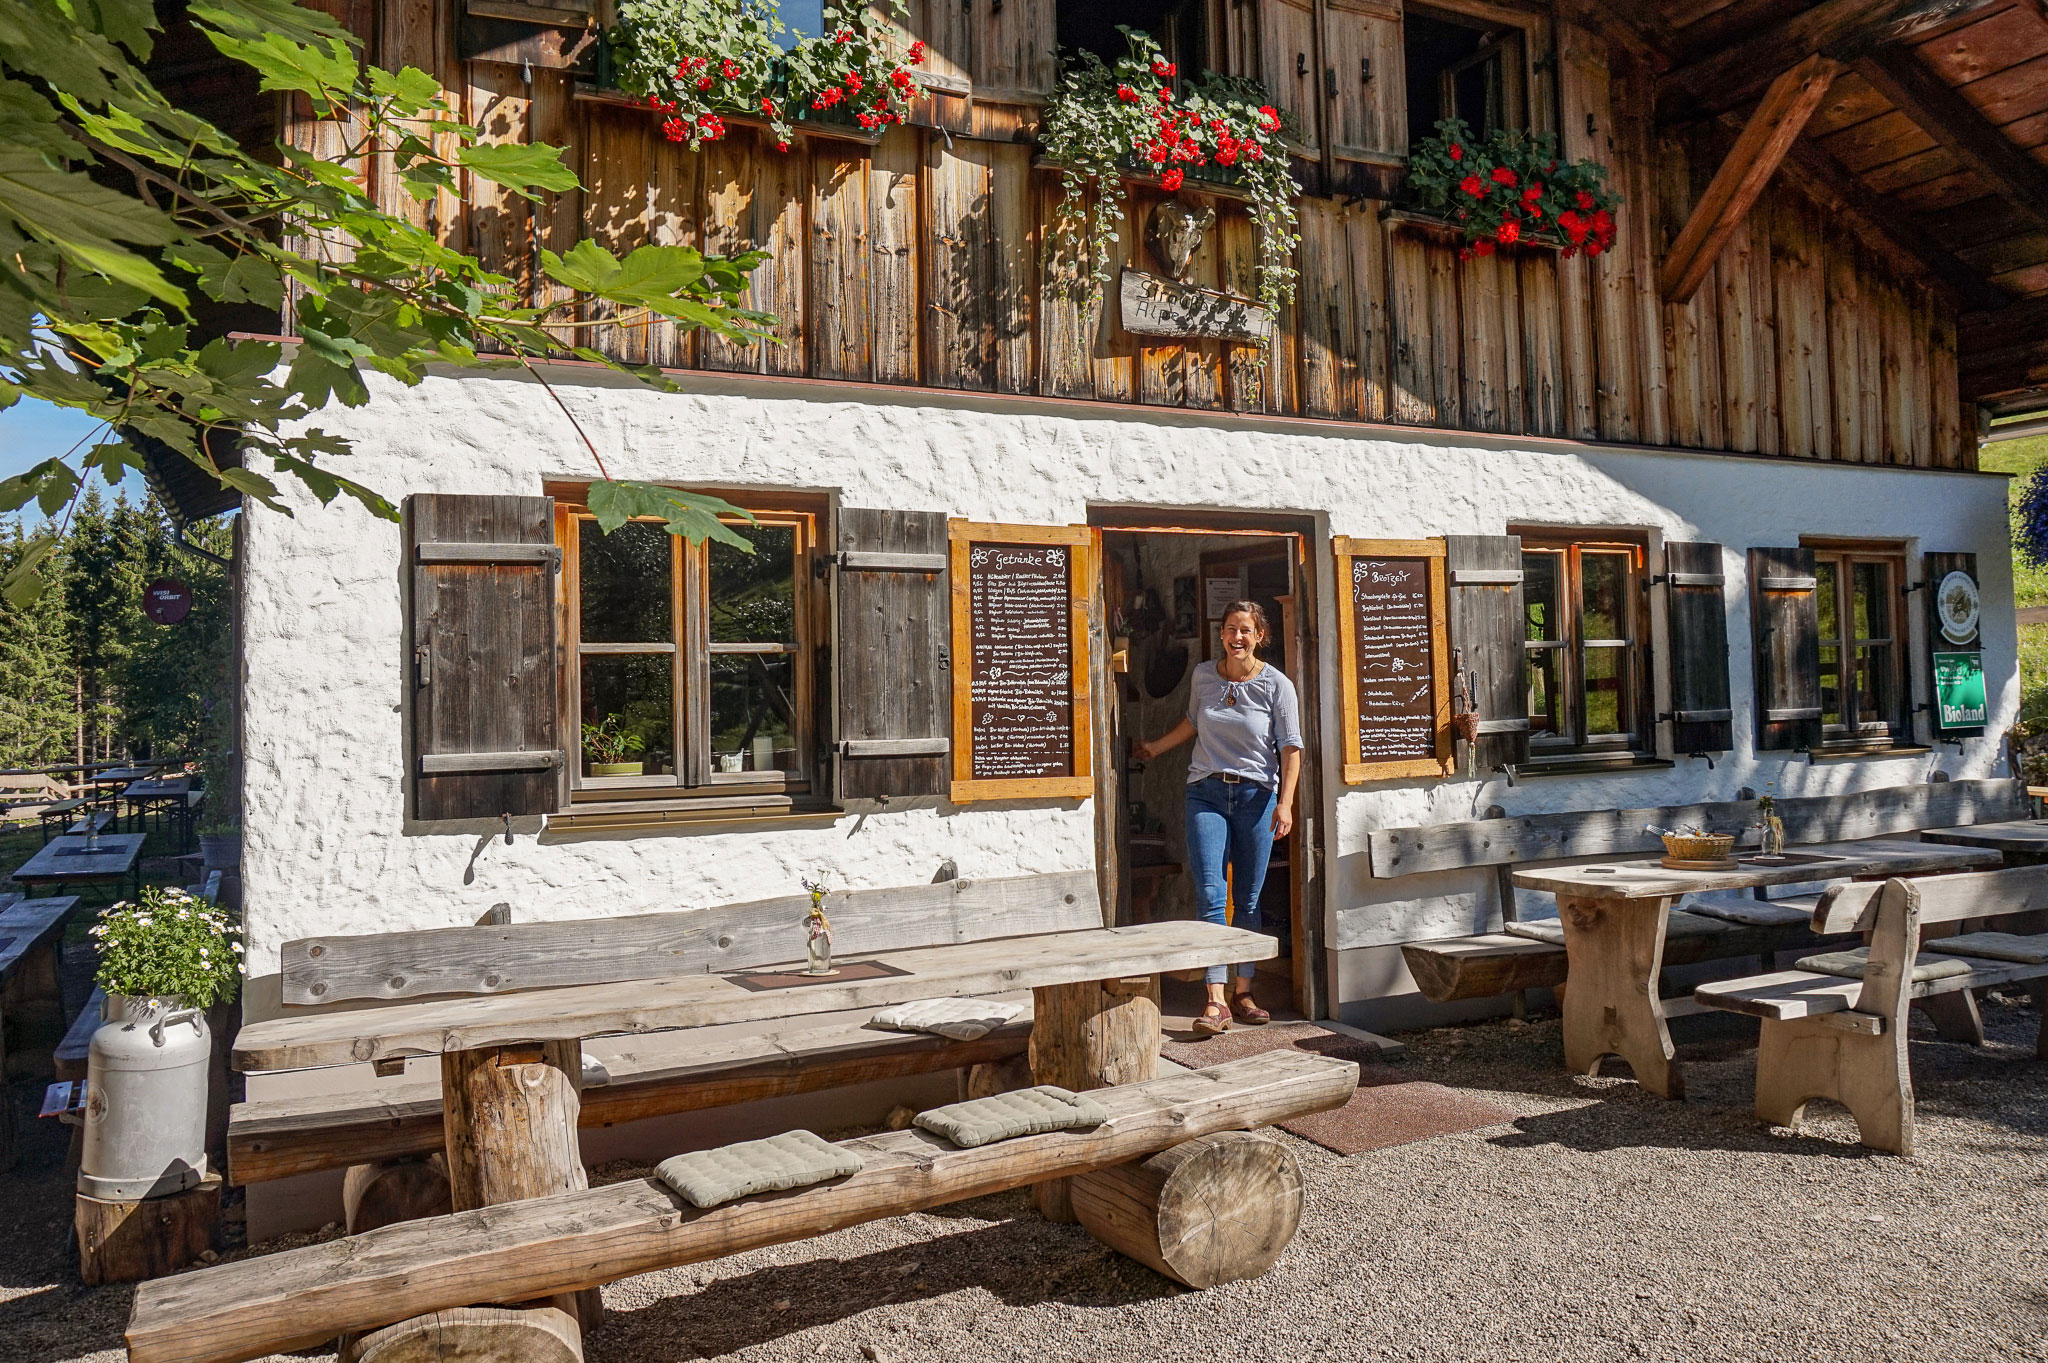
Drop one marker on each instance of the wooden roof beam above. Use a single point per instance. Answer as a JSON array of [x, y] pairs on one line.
[[1954, 122], [1748, 167], [1840, 28]]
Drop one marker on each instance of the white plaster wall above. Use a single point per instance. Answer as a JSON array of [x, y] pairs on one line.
[[327, 850]]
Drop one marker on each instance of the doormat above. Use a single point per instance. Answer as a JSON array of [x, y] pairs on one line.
[[1388, 1109], [792, 979]]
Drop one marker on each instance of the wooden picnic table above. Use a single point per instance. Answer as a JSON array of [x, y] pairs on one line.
[[511, 1064], [65, 861], [173, 792], [2022, 842], [1613, 914]]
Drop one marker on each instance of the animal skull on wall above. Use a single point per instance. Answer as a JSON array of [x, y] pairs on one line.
[[1175, 235]]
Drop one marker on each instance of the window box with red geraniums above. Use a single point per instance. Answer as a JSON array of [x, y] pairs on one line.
[[1102, 124], [698, 62], [1511, 187]]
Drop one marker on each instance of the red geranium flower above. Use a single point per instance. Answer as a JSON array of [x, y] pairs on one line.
[[1172, 179], [674, 129], [1586, 202], [1165, 95], [1457, 152], [1269, 118], [1164, 69], [782, 146], [729, 68], [1510, 231], [1503, 176], [917, 53], [1127, 94], [844, 35], [1482, 247], [1473, 185], [852, 81], [767, 106]]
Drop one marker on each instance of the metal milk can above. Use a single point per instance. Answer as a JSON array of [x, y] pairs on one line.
[[145, 1102]]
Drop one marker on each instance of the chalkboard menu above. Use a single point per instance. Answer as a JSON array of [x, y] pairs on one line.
[[1020, 665], [1396, 685]]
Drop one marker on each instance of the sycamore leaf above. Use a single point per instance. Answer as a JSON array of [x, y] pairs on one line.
[[325, 484], [254, 485], [318, 70], [255, 18], [587, 267], [50, 484], [520, 166], [23, 584], [86, 221], [692, 515]]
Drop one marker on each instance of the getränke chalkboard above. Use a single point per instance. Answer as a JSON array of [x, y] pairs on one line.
[[1021, 662], [1394, 669]]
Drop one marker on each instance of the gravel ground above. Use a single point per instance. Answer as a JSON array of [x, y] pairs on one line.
[[1601, 1224]]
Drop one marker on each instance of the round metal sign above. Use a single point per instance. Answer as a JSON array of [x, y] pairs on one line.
[[167, 601], [1955, 605]]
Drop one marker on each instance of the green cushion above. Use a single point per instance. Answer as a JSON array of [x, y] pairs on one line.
[[1739, 906], [795, 1159], [1994, 946], [1026, 1112], [1851, 965]]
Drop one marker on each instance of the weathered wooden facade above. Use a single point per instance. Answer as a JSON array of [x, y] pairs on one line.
[[1826, 327]]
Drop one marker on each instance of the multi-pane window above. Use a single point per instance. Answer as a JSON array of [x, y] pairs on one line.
[[1583, 643], [692, 663], [1862, 660], [1462, 67]]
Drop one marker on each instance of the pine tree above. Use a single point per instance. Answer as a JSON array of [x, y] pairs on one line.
[[36, 674]]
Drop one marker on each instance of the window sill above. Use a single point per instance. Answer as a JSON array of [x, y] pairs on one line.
[[1589, 764], [684, 813], [1819, 755]]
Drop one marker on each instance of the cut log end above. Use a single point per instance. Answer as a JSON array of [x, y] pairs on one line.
[[1217, 1209], [122, 1242], [474, 1334], [390, 1191]]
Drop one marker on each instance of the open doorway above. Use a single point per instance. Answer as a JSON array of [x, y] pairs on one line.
[[1166, 578]]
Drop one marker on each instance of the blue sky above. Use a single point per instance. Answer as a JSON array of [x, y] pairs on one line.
[[32, 431]]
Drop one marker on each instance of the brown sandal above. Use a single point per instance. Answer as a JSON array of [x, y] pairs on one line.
[[1248, 1011], [1216, 1025]]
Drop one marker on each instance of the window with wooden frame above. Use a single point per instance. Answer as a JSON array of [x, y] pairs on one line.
[[1461, 66], [691, 669], [1863, 690], [1585, 642]]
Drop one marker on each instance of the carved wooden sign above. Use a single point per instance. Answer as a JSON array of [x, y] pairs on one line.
[[1162, 307]]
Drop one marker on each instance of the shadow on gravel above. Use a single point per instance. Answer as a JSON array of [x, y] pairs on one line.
[[1006, 1259]]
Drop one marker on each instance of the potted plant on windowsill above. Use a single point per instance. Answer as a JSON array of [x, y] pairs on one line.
[[610, 747], [1510, 188]]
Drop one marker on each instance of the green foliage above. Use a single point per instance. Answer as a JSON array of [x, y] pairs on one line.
[[693, 515], [698, 61], [122, 215], [1512, 187], [169, 943], [2023, 459], [609, 741], [38, 723], [174, 685], [1102, 124]]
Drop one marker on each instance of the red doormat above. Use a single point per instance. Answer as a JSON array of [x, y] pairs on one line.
[[1388, 1109]]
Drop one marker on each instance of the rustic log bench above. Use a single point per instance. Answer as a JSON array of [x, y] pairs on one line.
[[1840, 1033], [650, 1074], [1707, 928], [548, 1246]]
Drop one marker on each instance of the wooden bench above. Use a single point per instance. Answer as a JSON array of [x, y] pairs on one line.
[[1489, 964], [31, 995], [573, 1241], [657, 1073], [1843, 1038]]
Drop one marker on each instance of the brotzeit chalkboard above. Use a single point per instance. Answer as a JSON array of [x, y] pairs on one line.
[[1020, 661], [1395, 674]]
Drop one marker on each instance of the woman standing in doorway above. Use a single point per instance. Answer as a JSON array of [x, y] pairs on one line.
[[1246, 723]]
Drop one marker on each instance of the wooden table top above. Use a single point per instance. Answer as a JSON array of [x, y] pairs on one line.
[[121, 774], [63, 859], [429, 1027], [1647, 879], [2020, 835], [153, 787]]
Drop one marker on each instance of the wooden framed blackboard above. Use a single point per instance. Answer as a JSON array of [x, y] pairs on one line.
[[1020, 661], [1395, 670]]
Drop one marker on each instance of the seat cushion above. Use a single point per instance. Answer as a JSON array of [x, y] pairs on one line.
[[1852, 965], [795, 1159], [1027, 1112], [1675, 925], [1538, 930], [1994, 946], [959, 1019], [1737, 906]]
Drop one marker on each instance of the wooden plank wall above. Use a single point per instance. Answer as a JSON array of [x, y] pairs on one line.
[[919, 261]]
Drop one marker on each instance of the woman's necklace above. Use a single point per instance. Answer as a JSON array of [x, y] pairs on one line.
[[1230, 684]]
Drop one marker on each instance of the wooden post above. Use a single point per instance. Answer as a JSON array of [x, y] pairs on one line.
[[124, 1241], [511, 1135], [1093, 1035], [1616, 950], [1216, 1209]]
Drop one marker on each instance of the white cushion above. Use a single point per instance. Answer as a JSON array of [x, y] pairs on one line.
[[958, 1019]]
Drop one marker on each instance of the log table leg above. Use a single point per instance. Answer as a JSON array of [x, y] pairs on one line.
[[1615, 950], [1090, 1036], [511, 1135]]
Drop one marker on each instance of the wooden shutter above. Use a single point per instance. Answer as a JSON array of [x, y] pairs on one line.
[[1488, 625], [1784, 617], [1014, 45], [893, 658], [1933, 568], [1701, 720], [1288, 61], [485, 712], [1364, 84]]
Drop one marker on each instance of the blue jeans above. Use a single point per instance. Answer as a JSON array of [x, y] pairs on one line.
[[1229, 823]]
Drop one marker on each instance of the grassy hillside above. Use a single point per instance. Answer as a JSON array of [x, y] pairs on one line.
[[2030, 582]]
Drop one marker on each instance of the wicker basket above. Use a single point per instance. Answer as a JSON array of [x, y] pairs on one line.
[[1699, 846]]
